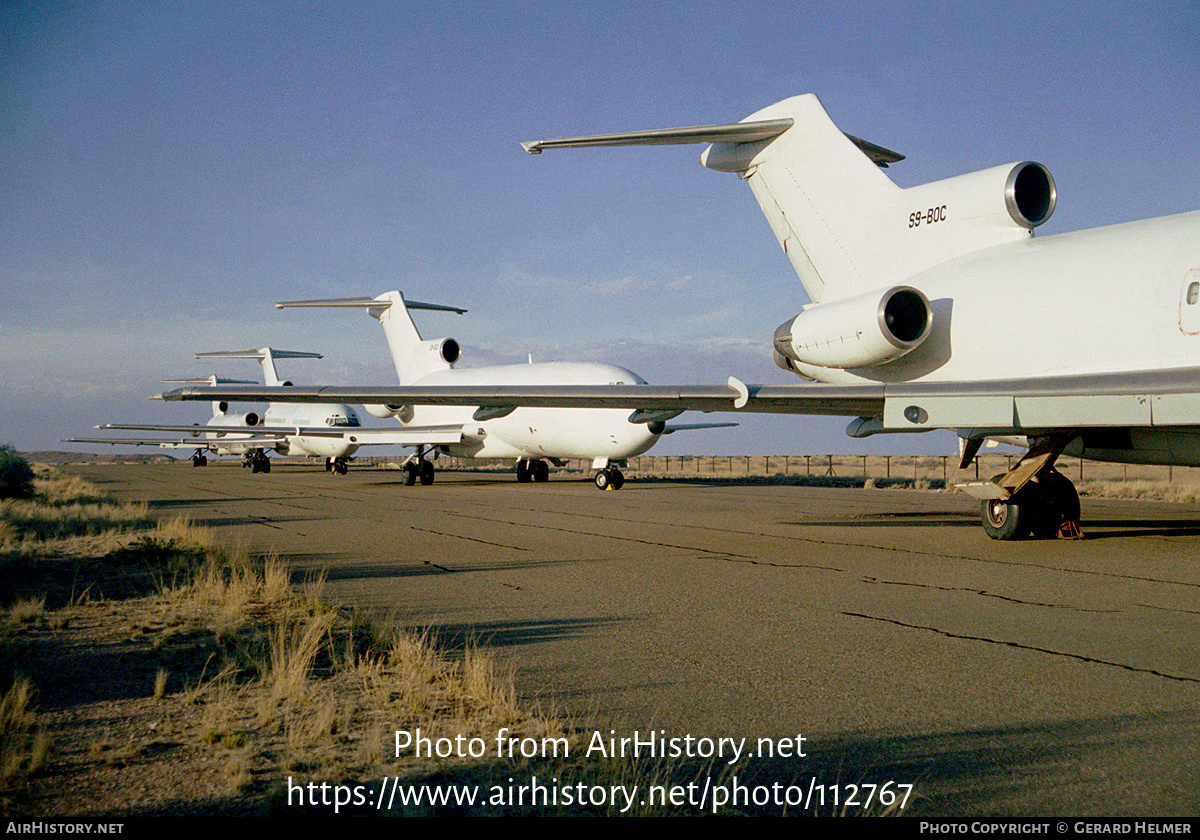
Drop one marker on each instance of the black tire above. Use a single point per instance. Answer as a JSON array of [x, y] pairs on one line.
[[410, 475], [523, 471], [1005, 520], [426, 473], [603, 479], [1056, 502], [540, 471], [618, 479], [266, 464], [340, 468]]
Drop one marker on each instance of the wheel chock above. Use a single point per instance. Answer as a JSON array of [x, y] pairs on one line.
[[1069, 531]]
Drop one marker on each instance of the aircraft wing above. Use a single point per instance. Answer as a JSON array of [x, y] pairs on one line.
[[262, 441], [1160, 397], [270, 435], [735, 396], [407, 436]]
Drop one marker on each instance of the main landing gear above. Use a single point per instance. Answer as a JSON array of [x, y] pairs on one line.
[[610, 478], [532, 470], [1031, 499], [337, 466], [419, 469], [256, 461], [199, 459]]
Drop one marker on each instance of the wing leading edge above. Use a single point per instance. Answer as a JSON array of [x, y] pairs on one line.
[[1165, 397]]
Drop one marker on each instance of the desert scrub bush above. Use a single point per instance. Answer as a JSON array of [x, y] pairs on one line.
[[16, 476]]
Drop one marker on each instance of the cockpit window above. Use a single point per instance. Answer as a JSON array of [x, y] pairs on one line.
[[1193, 293]]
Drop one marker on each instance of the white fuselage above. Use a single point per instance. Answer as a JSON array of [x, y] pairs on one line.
[[538, 432], [1107, 300], [291, 414]]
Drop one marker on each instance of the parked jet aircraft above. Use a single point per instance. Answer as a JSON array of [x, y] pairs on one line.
[[935, 307], [328, 431], [534, 437]]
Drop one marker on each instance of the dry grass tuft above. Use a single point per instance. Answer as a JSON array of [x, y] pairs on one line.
[[23, 746], [1162, 491]]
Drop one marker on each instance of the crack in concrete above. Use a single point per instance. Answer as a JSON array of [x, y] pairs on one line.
[[1018, 645], [983, 593]]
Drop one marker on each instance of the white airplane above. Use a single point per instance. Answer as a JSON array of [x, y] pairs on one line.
[[329, 431], [935, 307], [534, 437]]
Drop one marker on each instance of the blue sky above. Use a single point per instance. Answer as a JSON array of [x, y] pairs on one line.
[[170, 170]]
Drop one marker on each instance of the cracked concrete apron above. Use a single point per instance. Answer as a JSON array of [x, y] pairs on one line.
[[1041, 678]]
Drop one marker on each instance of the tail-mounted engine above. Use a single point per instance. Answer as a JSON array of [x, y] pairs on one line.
[[861, 331], [431, 356], [1015, 193], [248, 419]]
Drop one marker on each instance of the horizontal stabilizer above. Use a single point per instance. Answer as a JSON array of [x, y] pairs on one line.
[[259, 354], [363, 302], [744, 132], [209, 380]]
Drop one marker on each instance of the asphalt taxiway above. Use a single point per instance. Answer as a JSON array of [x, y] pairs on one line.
[[1034, 678]]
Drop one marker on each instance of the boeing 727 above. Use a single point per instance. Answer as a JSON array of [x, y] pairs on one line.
[[936, 307]]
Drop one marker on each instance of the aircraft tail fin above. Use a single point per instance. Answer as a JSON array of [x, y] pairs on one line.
[[844, 225], [413, 356], [265, 356]]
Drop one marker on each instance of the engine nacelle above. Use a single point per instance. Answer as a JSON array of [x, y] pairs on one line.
[[248, 419], [861, 331], [383, 411], [431, 356], [1021, 193], [404, 413]]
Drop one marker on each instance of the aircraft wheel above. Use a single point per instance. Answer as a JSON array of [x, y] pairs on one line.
[[410, 475], [339, 467], [603, 479], [540, 471], [618, 479], [524, 473], [1005, 520], [266, 464], [1057, 502], [426, 473]]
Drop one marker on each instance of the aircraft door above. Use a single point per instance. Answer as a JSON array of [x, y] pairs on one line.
[[1189, 303]]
